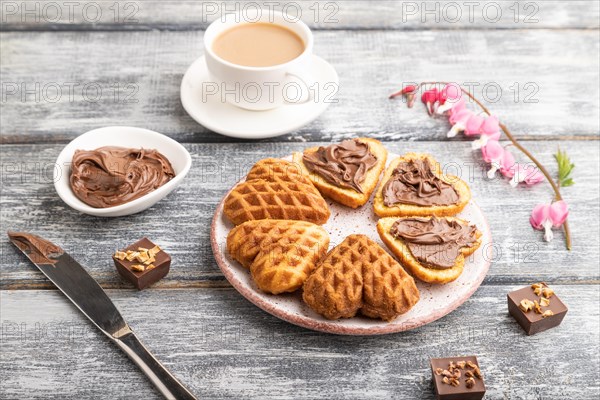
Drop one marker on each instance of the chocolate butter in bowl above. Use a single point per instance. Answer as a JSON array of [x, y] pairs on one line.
[[110, 176]]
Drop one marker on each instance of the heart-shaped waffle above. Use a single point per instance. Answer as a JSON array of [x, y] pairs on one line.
[[276, 189], [358, 274], [281, 254], [276, 169]]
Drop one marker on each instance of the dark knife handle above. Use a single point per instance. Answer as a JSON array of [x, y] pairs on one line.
[[166, 383]]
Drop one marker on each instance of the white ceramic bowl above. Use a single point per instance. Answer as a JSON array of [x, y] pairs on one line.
[[124, 136]]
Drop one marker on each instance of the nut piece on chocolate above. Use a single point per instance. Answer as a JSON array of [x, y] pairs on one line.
[[536, 308], [457, 378], [143, 263]]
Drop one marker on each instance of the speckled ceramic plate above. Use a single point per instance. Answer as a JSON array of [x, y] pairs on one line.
[[436, 300]]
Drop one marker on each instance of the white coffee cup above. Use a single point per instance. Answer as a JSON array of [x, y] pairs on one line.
[[259, 88]]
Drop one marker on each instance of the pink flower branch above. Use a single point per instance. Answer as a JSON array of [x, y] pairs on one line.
[[463, 120]]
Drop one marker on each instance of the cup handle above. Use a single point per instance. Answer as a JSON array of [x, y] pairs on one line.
[[308, 82]]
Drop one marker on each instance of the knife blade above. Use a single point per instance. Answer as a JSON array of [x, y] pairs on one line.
[[87, 295]]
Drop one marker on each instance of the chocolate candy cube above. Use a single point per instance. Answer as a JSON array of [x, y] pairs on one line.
[[536, 308], [457, 378], [143, 263]]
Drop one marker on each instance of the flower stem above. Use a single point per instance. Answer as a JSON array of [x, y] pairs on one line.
[[514, 141]]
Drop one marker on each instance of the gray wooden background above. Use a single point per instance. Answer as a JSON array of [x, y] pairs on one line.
[[66, 70]]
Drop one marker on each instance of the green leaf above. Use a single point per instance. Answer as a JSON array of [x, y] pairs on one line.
[[565, 168], [568, 182]]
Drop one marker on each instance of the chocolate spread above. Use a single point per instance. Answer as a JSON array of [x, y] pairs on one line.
[[414, 183], [434, 242], [111, 176], [39, 250], [344, 164]]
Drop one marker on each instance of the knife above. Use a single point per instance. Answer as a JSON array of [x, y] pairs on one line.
[[73, 280]]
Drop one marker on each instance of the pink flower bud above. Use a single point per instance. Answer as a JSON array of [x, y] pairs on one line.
[[442, 97], [450, 92], [406, 90], [493, 153], [456, 109], [473, 126], [490, 126], [450, 95], [490, 130], [459, 121], [483, 139], [493, 150], [539, 215], [429, 98], [559, 211], [508, 164], [528, 174], [547, 216]]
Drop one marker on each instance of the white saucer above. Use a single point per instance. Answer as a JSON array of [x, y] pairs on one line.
[[233, 121]]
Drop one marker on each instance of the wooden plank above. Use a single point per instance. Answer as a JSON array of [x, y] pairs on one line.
[[330, 15], [73, 97], [181, 222], [222, 346]]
